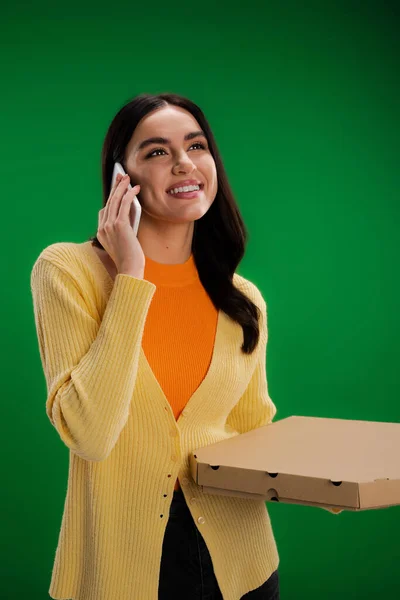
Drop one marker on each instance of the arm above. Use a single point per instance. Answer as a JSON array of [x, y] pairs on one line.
[[90, 368], [255, 408]]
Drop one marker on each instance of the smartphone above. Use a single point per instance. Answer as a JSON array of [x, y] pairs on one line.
[[136, 209]]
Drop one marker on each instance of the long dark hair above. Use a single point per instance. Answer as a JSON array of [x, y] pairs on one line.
[[219, 237]]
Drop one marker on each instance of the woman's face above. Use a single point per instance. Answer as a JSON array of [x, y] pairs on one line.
[[160, 166]]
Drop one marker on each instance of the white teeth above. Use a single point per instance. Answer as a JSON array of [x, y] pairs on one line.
[[186, 188]]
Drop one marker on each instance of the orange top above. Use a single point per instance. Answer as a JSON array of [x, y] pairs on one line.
[[180, 328]]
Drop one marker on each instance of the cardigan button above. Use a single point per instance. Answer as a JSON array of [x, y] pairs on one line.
[[201, 520]]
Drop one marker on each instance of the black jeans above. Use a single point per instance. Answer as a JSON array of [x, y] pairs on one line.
[[186, 567]]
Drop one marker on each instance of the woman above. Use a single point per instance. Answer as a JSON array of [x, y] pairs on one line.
[[153, 346]]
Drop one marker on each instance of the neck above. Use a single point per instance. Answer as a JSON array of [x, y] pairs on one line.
[[165, 242]]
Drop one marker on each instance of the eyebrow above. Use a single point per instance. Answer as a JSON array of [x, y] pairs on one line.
[[161, 140]]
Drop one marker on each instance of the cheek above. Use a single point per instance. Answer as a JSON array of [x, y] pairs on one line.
[[213, 180], [211, 170], [151, 193], [152, 181]]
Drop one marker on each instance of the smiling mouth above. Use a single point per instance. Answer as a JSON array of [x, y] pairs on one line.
[[201, 186]]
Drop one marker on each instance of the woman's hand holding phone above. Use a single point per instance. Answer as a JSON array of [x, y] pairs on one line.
[[115, 231]]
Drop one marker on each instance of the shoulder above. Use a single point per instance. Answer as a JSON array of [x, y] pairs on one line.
[[250, 289], [67, 257], [59, 253], [253, 292]]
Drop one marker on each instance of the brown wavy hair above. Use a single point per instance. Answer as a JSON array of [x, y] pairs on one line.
[[219, 237]]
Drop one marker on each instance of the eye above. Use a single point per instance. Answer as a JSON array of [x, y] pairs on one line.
[[199, 144], [202, 146]]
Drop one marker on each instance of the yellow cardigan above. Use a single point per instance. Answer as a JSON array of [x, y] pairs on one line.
[[126, 449]]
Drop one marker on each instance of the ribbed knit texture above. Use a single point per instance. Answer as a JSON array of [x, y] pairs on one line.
[[139, 375], [179, 330]]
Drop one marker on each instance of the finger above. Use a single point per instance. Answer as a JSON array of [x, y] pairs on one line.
[[119, 180], [104, 211], [126, 202], [115, 200], [115, 184]]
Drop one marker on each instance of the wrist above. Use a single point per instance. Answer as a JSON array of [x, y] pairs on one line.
[[133, 272]]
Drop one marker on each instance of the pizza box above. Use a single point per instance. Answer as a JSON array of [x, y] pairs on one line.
[[330, 463]]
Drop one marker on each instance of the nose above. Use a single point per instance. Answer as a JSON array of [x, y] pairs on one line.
[[184, 165]]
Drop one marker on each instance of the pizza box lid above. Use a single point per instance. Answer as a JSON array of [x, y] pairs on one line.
[[337, 463]]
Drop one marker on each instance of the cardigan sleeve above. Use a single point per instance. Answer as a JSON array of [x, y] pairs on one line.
[[90, 367], [255, 407]]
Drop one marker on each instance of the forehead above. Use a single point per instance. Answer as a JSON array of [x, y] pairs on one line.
[[171, 121]]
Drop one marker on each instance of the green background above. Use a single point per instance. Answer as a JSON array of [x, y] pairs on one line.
[[303, 98]]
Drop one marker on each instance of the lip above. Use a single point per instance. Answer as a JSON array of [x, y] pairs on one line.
[[185, 182]]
